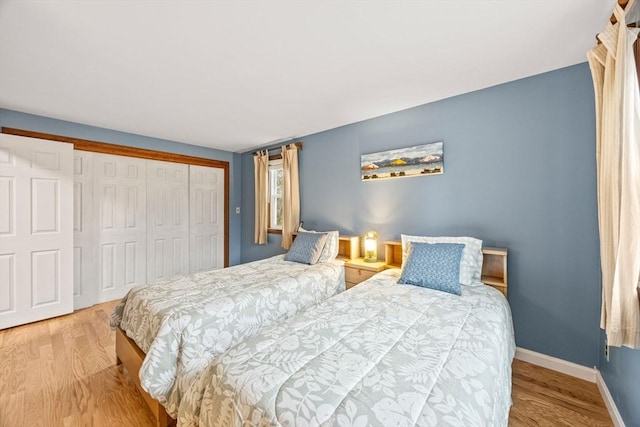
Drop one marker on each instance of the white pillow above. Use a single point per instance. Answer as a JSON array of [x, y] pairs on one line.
[[470, 263], [330, 250]]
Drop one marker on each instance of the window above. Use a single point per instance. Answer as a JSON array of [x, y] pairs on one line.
[[276, 182]]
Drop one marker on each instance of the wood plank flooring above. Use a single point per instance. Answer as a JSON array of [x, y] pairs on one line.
[[63, 372], [542, 397]]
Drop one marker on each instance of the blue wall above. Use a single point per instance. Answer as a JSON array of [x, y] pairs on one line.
[[519, 173], [31, 122]]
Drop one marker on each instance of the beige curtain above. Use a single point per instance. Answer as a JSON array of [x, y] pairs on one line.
[[618, 177], [290, 194], [261, 177]]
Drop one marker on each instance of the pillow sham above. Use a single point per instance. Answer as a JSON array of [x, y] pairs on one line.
[[306, 248], [471, 262], [434, 266], [331, 246]]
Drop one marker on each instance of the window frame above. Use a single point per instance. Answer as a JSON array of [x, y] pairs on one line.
[[275, 162]]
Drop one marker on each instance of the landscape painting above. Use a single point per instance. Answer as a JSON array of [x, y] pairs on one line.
[[421, 160]]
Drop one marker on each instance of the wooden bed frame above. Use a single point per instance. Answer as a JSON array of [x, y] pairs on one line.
[[130, 356]]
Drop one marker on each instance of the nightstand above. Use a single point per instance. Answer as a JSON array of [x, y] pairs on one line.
[[357, 270]]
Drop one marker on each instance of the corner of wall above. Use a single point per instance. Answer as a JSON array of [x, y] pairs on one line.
[[556, 364], [578, 371], [608, 401]]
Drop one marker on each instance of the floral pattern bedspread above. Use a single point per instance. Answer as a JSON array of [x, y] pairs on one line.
[[182, 324], [380, 354]]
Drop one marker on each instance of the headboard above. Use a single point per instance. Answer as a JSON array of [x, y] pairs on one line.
[[494, 264], [348, 247]]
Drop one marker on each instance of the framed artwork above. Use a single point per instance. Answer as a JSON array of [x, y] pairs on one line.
[[421, 160]]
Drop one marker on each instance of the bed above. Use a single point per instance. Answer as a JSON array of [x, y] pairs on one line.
[[381, 353], [167, 331]]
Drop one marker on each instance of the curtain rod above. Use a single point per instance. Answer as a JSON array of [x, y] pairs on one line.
[[623, 4], [297, 144]]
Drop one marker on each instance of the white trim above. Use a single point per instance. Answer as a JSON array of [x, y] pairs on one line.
[[608, 401], [575, 370], [555, 364]]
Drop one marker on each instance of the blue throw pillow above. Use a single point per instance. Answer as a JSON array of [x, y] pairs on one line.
[[306, 248], [433, 265]]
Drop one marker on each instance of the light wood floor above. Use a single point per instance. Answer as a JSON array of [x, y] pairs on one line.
[[62, 372]]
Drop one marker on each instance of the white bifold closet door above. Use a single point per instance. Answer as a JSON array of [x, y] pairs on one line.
[[36, 229], [78, 228], [137, 220], [167, 219], [206, 225], [120, 190]]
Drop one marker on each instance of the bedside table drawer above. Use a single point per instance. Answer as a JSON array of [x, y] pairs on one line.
[[357, 275], [349, 285]]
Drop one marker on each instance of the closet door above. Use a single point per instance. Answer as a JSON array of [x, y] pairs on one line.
[[121, 210], [206, 213], [167, 219], [84, 231], [36, 229]]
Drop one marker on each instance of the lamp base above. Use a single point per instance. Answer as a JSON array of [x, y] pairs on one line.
[[370, 260]]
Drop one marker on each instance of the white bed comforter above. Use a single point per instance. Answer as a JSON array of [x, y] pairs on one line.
[[182, 324], [380, 354]]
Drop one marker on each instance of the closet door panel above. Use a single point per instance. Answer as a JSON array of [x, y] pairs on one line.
[[36, 229], [168, 219], [84, 231], [120, 205], [7, 283], [135, 221], [206, 228]]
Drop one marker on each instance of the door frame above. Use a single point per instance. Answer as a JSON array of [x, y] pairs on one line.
[[143, 153]]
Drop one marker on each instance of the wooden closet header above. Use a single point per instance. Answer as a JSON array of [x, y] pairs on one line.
[[120, 150]]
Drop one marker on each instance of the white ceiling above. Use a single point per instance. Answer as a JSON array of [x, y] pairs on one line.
[[234, 75]]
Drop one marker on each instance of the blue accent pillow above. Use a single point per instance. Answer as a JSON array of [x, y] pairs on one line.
[[434, 266], [306, 248]]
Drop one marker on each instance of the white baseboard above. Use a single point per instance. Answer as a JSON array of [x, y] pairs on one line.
[[608, 401], [556, 364], [575, 370]]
